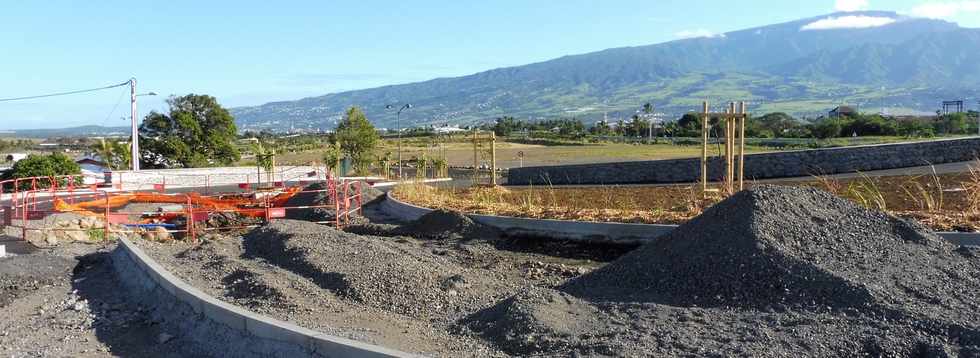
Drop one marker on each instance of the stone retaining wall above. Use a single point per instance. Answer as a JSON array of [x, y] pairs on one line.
[[784, 164]]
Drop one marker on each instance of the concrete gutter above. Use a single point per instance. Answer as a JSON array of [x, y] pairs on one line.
[[583, 230], [253, 334]]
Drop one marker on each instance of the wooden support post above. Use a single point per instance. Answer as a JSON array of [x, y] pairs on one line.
[[476, 158], [741, 150], [493, 159], [732, 121], [704, 149]]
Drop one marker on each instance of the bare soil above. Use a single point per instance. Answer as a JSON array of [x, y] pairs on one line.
[[398, 291], [66, 302]]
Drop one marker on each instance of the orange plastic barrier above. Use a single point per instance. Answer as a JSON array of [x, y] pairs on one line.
[[244, 205]]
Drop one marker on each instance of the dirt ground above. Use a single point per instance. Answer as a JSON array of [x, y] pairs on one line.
[[768, 272], [782, 272], [400, 292], [67, 302]]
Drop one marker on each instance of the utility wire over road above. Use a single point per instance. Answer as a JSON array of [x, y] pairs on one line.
[[64, 93]]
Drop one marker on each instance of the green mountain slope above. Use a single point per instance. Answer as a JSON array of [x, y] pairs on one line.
[[778, 67]]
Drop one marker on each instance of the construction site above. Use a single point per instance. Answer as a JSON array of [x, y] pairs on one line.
[[299, 262]]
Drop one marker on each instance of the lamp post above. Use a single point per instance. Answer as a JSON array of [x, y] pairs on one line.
[[134, 156], [398, 127]]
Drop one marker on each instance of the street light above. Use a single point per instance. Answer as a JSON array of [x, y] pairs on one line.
[[398, 127], [134, 156]]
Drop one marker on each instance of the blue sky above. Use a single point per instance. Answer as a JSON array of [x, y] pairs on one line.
[[253, 52]]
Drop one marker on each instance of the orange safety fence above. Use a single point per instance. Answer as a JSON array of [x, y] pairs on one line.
[[344, 196], [250, 206]]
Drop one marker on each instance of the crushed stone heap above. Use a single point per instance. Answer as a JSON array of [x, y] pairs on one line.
[[375, 271], [776, 247], [444, 224]]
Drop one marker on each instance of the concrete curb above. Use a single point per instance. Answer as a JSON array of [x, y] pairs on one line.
[[586, 231], [268, 336]]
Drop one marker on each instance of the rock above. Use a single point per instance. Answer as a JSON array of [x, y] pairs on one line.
[[51, 238], [76, 235], [79, 305], [160, 233], [164, 338]]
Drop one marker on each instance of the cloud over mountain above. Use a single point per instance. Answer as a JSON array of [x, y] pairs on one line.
[[848, 22]]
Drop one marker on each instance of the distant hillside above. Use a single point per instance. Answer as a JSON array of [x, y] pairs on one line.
[[68, 132], [803, 67]]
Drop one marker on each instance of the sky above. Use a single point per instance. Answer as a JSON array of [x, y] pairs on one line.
[[253, 52]]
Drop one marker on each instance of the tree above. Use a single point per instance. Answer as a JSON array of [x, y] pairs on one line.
[[34, 165], [332, 157], [197, 132], [689, 125], [827, 129], [115, 154], [358, 139]]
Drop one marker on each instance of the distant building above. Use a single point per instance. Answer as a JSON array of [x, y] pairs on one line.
[[448, 129], [92, 168], [842, 111]]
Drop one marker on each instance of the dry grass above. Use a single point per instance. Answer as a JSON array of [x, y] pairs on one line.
[[949, 202], [601, 204]]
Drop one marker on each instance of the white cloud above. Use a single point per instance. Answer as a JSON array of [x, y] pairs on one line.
[[851, 5], [945, 9], [848, 22], [690, 34]]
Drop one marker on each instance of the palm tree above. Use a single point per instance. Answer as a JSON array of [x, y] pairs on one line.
[[332, 157], [115, 154], [265, 158]]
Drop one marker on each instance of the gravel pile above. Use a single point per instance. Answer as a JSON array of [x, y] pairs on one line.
[[772, 271], [373, 271], [794, 248], [536, 320], [310, 197], [444, 224]]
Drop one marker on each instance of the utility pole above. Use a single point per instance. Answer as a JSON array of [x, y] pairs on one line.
[[398, 117], [136, 139]]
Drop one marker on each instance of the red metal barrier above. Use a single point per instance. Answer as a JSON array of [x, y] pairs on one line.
[[345, 197]]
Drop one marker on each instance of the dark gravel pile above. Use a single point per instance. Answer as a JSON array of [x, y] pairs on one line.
[[444, 224], [370, 194], [774, 271], [374, 271], [795, 248], [536, 320], [310, 197]]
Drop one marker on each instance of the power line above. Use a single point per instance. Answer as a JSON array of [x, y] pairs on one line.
[[118, 101], [64, 93]]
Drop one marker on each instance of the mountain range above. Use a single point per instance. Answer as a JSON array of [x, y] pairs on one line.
[[89, 131], [869, 59]]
